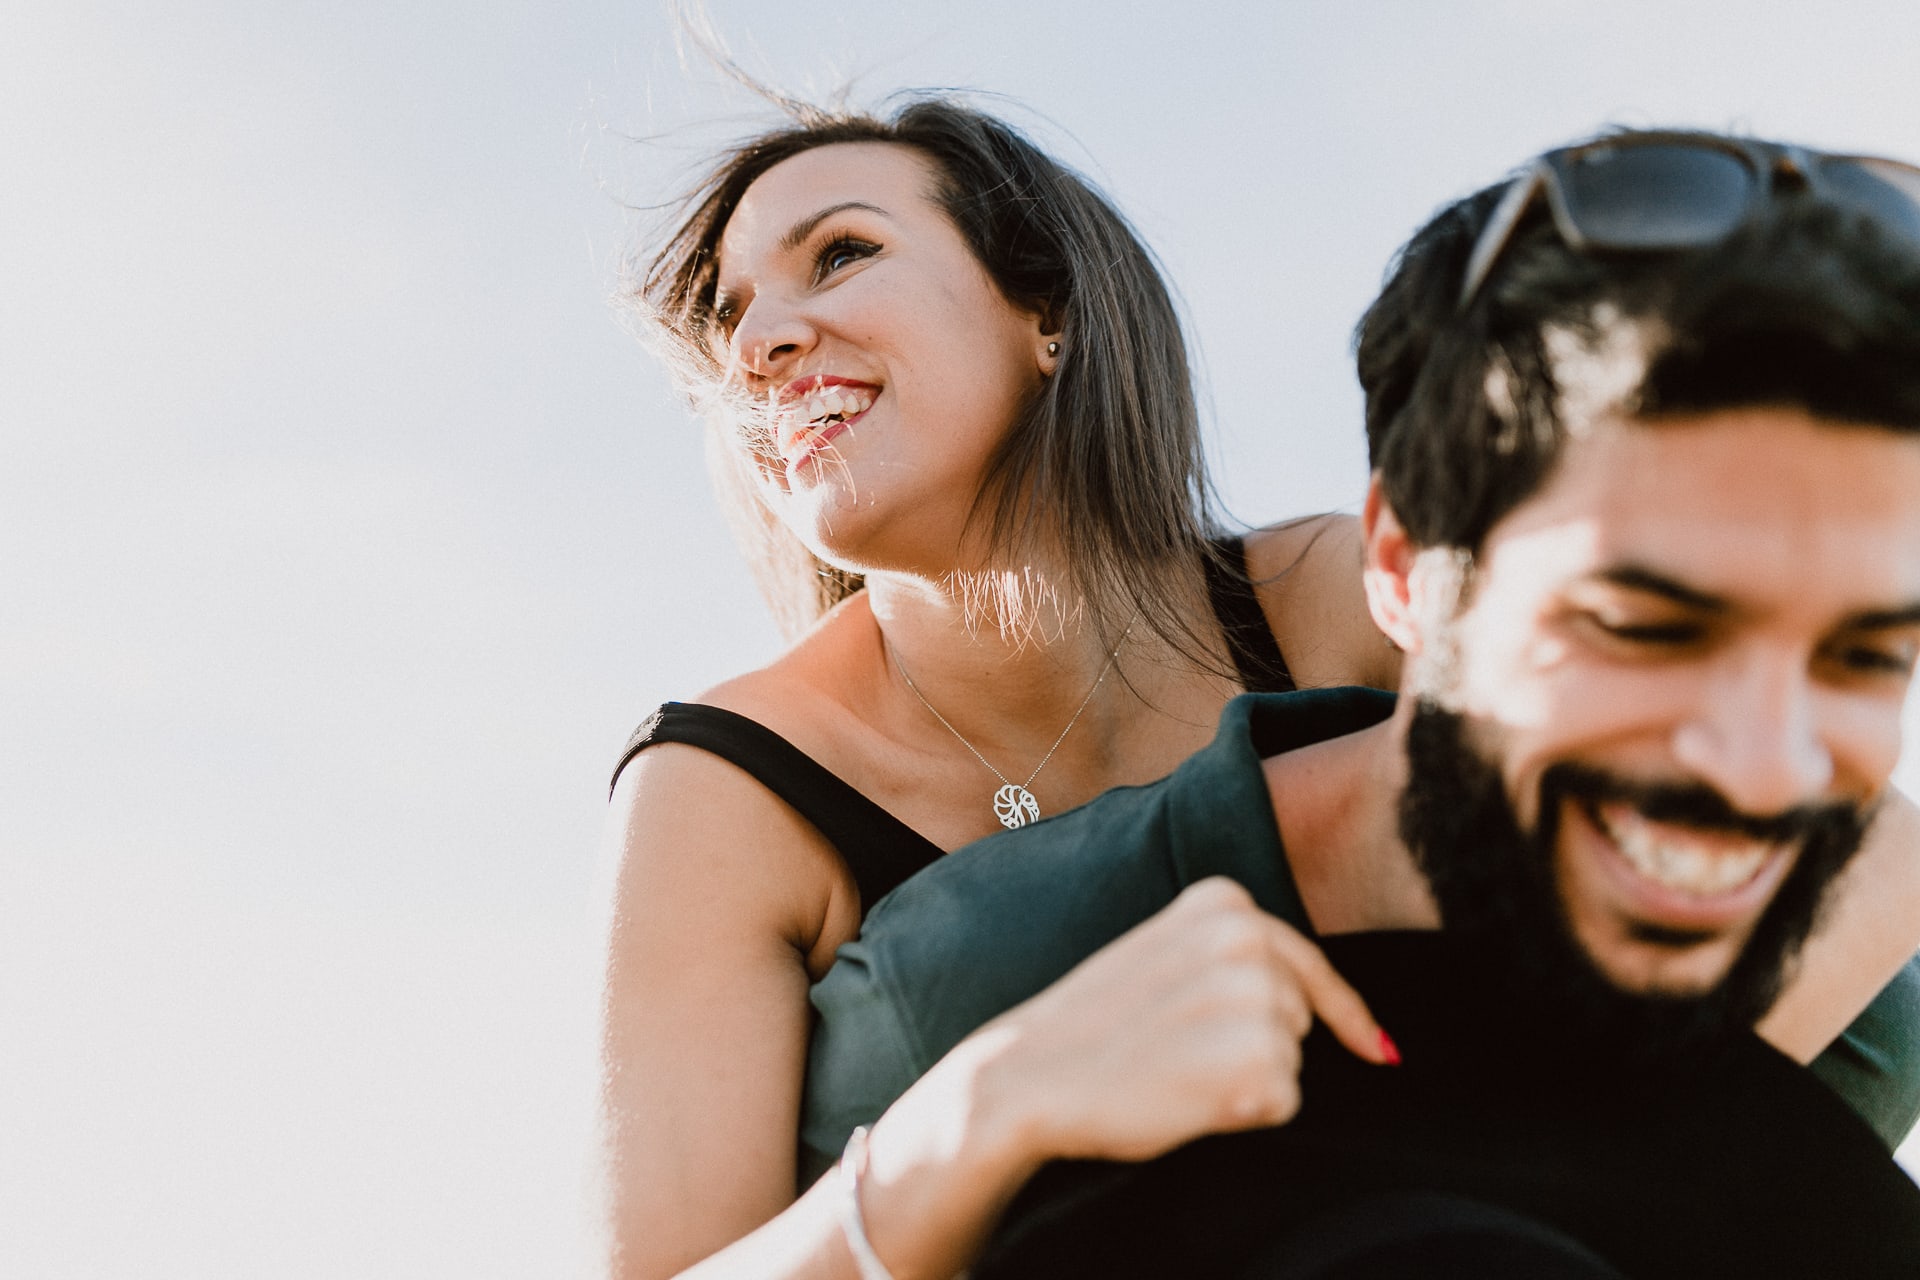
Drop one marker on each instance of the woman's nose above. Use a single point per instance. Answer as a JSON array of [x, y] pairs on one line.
[[771, 338]]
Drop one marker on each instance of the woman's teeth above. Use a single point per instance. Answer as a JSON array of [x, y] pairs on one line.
[[1671, 857], [828, 403]]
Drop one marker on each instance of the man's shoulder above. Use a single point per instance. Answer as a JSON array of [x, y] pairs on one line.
[[997, 921]]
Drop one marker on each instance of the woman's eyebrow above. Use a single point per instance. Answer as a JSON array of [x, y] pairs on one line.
[[798, 233]]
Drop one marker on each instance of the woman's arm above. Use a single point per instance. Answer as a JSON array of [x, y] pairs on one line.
[[720, 901], [1871, 928], [1190, 1024]]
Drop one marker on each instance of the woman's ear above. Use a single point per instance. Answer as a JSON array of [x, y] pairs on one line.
[[1049, 342], [1049, 353], [1390, 555]]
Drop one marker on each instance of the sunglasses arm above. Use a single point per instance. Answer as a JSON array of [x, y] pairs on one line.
[[1519, 197]]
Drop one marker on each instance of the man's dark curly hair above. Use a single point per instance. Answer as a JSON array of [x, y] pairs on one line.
[[1809, 305]]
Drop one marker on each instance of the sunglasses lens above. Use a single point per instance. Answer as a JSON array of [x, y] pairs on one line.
[[1889, 193], [1655, 195]]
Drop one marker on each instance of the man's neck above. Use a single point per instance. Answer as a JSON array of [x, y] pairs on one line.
[[1337, 804]]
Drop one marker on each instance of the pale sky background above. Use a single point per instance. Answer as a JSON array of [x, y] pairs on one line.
[[345, 534]]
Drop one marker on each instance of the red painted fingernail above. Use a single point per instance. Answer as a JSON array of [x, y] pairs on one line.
[[1389, 1050]]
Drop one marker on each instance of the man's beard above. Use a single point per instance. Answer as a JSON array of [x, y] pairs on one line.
[[1497, 882]]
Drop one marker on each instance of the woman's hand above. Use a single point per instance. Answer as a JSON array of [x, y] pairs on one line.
[[1189, 1024]]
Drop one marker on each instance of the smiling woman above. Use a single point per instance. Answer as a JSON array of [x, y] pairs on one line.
[[874, 305], [946, 203], [950, 409]]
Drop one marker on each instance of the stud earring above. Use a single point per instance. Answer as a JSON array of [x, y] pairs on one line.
[[1053, 348]]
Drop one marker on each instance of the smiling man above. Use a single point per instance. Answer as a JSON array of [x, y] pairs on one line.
[[1645, 520]]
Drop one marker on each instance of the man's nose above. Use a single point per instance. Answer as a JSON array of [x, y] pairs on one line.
[[1757, 736]]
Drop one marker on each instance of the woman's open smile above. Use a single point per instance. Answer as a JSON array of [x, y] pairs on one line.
[[842, 282], [811, 411]]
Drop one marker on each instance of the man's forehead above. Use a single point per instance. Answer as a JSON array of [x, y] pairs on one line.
[[1739, 501]]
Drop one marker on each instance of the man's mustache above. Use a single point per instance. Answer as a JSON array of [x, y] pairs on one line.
[[1694, 805]]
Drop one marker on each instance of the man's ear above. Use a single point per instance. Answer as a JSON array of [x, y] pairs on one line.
[[1389, 570]]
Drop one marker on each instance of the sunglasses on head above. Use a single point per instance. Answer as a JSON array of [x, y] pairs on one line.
[[1661, 192]]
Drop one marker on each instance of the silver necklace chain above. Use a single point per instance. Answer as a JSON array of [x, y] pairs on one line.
[[1013, 803]]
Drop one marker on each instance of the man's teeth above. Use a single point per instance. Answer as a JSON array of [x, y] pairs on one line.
[[830, 402], [1673, 859]]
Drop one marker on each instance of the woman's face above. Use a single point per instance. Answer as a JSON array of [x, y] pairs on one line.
[[886, 361]]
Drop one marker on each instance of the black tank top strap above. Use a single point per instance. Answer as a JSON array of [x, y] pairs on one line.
[[879, 849], [1256, 654]]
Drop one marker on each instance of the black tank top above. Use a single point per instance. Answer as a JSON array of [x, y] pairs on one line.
[[879, 849]]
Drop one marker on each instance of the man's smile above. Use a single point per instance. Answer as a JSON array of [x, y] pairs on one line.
[[1679, 877]]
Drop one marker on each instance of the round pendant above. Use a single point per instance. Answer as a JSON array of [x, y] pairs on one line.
[[1015, 806]]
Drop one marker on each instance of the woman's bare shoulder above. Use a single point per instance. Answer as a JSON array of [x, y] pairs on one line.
[[1307, 575], [695, 838], [704, 830], [1277, 548]]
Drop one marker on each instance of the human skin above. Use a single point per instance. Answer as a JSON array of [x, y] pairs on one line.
[[883, 293], [1747, 621], [725, 904], [1728, 600]]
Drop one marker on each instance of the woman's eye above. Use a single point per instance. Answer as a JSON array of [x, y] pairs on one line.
[[841, 252]]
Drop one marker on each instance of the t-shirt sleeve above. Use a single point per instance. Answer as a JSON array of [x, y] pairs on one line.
[[862, 1044], [964, 941], [1875, 1064]]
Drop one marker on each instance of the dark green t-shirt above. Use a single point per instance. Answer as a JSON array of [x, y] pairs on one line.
[[1004, 918]]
